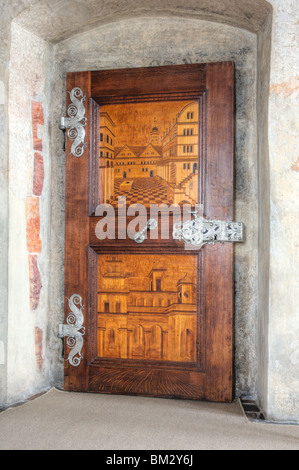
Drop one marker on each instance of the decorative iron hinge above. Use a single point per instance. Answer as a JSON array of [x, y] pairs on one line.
[[75, 122], [74, 330], [199, 231]]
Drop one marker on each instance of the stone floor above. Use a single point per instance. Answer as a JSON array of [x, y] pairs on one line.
[[76, 421]]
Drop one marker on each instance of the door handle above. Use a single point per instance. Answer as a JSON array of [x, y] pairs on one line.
[[199, 231], [151, 224]]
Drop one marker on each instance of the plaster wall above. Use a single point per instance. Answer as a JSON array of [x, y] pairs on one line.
[[29, 65], [262, 94], [283, 380]]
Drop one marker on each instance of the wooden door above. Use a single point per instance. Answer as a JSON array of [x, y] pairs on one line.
[[155, 318]]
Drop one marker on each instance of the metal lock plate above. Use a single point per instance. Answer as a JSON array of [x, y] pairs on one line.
[[199, 231]]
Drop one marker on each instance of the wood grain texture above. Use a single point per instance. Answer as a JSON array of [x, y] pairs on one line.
[[95, 185], [148, 84], [77, 231], [147, 382], [158, 239], [218, 260], [128, 356]]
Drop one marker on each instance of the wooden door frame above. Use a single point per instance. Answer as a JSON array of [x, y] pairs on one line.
[[215, 83]]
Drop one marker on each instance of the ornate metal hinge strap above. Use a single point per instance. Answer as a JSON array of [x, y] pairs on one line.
[[199, 231], [75, 122], [74, 330]]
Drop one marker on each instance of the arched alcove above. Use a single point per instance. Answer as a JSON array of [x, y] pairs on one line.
[[49, 39]]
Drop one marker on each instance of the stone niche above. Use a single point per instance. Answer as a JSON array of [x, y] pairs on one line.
[[146, 42], [127, 36], [139, 42]]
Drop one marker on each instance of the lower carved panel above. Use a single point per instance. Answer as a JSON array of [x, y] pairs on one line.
[[160, 383], [147, 308]]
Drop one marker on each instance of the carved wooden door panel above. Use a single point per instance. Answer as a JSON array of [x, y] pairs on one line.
[[145, 314]]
